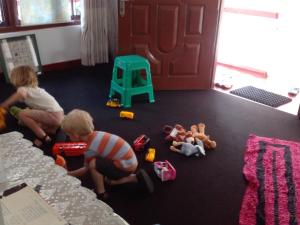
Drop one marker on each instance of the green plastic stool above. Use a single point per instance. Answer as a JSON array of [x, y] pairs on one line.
[[131, 82]]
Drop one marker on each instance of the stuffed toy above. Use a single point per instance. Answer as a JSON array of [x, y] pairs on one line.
[[176, 133], [189, 137], [198, 133], [188, 149]]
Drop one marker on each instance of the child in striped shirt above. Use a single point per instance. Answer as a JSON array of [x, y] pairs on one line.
[[107, 155]]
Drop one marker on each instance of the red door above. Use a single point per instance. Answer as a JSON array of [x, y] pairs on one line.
[[177, 36]]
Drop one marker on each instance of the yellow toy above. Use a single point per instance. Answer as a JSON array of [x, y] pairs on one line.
[[114, 103], [126, 115], [150, 155], [2, 118]]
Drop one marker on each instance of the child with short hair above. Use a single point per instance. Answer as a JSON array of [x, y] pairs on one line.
[[107, 155], [44, 114]]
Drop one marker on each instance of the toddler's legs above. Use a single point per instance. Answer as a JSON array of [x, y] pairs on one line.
[[41, 122], [97, 177]]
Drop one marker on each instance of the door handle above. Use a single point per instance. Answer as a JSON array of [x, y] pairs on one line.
[[122, 7]]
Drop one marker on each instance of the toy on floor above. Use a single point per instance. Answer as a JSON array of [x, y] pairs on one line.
[[164, 170], [69, 148], [150, 155], [188, 149], [198, 133], [114, 103], [126, 115], [141, 142], [176, 133], [60, 161], [2, 118]]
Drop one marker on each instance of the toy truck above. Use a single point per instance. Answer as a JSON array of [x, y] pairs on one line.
[[69, 148], [114, 103], [141, 142]]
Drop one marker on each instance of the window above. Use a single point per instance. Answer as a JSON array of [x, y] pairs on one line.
[[22, 14]]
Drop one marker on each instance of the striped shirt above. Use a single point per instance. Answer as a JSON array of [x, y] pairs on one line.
[[113, 147]]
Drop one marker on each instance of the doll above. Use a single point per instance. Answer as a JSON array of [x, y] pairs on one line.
[[188, 149]]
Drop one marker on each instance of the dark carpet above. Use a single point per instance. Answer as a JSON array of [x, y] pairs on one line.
[[208, 190], [261, 96]]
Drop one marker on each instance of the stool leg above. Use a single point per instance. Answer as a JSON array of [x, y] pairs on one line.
[[149, 84], [111, 92], [127, 99], [151, 96]]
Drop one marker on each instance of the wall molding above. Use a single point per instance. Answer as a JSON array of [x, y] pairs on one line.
[[62, 65]]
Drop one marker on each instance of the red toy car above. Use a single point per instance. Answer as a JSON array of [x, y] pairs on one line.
[[141, 142], [69, 148]]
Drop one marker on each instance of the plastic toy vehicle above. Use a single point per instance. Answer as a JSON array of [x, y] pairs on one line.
[[141, 142], [150, 155], [60, 161], [164, 170], [114, 103], [2, 118], [126, 115], [69, 148]]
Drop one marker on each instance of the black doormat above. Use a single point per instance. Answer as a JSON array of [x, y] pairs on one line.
[[261, 96]]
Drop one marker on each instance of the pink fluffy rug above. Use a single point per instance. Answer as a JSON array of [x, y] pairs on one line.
[[272, 169]]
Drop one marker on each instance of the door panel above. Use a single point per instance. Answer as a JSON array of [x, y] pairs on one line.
[[177, 36]]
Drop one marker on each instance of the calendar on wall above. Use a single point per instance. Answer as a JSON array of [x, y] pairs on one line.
[[17, 51]]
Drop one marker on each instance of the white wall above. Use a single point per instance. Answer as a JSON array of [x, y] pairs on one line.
[[55, 45]]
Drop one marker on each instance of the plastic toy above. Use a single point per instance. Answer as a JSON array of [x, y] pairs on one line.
[[176, 133], [69, 148], [199, 134], [164, 170], [141, 142], [150, 155], [126, 115], [60, 161], [2, 118], [114, 103], [188, 149]]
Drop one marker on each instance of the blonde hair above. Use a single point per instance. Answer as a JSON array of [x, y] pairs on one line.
[[24, 76], [78, 122]]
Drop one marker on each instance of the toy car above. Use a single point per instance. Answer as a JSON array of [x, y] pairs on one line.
[[150, 155], [114, 103], [126, 114], [141, 142], [69, 148]]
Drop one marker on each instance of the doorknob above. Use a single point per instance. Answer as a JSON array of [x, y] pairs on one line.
[[122, 7]]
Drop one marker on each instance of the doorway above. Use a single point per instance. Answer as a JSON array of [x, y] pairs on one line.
[[259, 45]]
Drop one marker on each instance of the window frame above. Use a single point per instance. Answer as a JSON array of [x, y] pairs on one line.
[[11, 23]]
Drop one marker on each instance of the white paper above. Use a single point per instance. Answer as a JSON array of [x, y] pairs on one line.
[[26, 207]]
